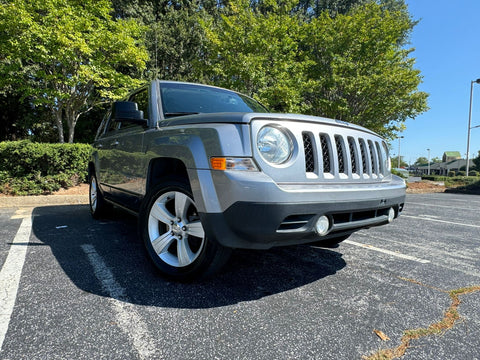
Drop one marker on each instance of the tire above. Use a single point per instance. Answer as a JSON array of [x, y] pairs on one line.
[[332, 242], [98, 205], [173, 235]]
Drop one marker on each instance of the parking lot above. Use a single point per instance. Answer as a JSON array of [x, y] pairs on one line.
[[86, 291]]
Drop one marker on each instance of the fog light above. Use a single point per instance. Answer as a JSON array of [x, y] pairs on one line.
[[322, 225], [391, 215]]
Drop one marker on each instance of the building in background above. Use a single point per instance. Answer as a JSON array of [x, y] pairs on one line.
[[452, 161]]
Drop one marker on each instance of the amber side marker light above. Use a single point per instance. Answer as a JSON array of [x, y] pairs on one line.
[[218, 163]]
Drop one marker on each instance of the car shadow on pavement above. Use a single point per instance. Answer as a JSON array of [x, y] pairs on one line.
[[249, 274]]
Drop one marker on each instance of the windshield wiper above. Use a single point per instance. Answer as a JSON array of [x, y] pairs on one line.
[[180, 113]]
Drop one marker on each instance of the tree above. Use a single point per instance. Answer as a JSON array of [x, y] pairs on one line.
[[360, 73], [174, 37], [259, 55], [350, 67], [476, 161], [67, 56], [421, 161]]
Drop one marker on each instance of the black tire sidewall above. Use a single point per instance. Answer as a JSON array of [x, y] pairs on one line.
[[98, 212]]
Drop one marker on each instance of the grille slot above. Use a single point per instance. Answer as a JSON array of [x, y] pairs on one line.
[[324, 142], [340, 154], [309, 152], [353, 158], [373, 157], [363, 150]]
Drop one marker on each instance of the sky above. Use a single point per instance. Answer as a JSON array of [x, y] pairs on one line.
[[447, 52]]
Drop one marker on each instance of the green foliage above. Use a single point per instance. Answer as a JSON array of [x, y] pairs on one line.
[[259, 55], [473, 173], [67, 56], [461, 180], [174, 37], [421, 161], [343, 59], [360, 73], [476, 161], [35, 168], [434, 177], [349, 67], [472, 187], [451, 173], [400, 173]]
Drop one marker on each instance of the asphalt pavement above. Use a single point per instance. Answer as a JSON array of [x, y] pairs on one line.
[[85, 290]]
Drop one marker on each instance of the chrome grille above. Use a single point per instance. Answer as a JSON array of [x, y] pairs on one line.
[[344, 157]]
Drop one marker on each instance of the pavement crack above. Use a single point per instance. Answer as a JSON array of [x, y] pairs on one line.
[[450, 317]]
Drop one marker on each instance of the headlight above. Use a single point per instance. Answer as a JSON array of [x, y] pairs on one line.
[[274, 145]]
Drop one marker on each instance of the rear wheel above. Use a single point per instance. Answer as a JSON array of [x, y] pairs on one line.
[[98, 205], [174, 237]]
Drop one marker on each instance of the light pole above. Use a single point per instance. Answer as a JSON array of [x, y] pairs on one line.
[[470, 123], [399, 158], [428, 161]]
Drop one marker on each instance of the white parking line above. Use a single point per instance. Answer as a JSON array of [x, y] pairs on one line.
[[438, 206], [12, 271], [440, 221], [388, 252], [127, 318]]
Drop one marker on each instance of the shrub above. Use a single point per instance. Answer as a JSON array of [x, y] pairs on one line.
[[402, 174], [433, 177], [451, 173], [461, 173], [473, 173], [36, 168]]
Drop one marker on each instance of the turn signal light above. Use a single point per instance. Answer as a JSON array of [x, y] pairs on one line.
[[218, 163], [241, 164]]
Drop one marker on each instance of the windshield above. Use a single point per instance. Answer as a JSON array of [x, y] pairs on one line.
[[184, 99]]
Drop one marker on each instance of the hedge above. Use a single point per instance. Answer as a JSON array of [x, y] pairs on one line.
[[28, 168]]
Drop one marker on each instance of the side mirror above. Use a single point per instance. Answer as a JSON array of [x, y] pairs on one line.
[[127, 111]]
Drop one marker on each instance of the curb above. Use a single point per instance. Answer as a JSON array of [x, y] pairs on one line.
[[42, 200]]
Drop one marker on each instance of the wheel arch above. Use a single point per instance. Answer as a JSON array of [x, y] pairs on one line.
[[163, 167]]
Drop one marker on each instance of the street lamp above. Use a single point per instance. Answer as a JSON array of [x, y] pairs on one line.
[[470, 122], [400, 137], [428, 161]]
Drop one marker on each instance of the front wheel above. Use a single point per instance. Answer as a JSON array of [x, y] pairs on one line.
[[98, 205], [174, 237]]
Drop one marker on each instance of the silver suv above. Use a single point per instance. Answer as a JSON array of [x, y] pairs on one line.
[[208, 170]]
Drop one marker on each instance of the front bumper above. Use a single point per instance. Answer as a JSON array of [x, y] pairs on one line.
[[263, 214]]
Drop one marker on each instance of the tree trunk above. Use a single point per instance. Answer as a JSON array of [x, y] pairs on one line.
[[72, 118], [58, 118]]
